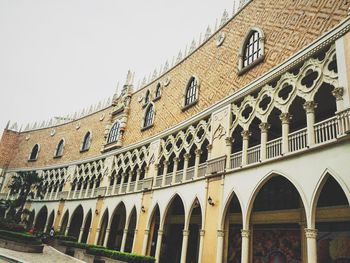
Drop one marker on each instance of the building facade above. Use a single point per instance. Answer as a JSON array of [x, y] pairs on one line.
[[236, 152]]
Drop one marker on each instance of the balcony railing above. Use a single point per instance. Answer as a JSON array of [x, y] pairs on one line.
[[274, 148], [236, 160], [297, 140], [254, 154], [326, 130]]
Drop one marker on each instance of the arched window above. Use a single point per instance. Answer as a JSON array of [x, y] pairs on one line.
[[158, 91], [148, 120], [86, 142], [147, 99], [34, 153], [191, 94], [252, 49], [59, 149], [114, 133]]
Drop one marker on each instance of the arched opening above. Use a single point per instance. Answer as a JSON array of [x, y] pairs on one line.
[[232, 228], [117, 227], [297, 111], [50, 221], [86, 230], [275, 130], [64, 223], [31, 219], [278, 221], [237, 140], [41, 218], [131, 231], [326, 103], [332, 223], [76, 222], [195, 226], [153, 232], [103, 228], [172, 236]]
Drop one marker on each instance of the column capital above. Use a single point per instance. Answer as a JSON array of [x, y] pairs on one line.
[[198, 151], [166, 162], [338, 93], [176, 159], [138, 170], [220, 233], [156, 165], [310, 106], [135, 231], [81, 229], [246, 134], [146, 231], [125, 231], [187, 156], [209, 147], [185, 232], [201, 232], [285, 117], [160, 232], [264, 126], [228, 141], [245, 233], [311, 233]]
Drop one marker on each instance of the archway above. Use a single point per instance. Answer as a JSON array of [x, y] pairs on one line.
[[173, 228], [64, 222], [232, 227], [117, 227], [86, 227], [40, 221], [76, 222], [195, 226], [50, 221], [153, 232], [103, 228], [31, 219], [278, 222], [131, 231], [332, 223]]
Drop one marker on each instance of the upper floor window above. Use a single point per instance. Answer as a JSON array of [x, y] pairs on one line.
[[149, 114], [158, 91], [86, 142], [114, 132], [191, 94], [34, 153], [59, 149], [252, 49], [147, 97]]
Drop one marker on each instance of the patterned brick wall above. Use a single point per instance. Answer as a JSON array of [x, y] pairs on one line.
[[8, 147]]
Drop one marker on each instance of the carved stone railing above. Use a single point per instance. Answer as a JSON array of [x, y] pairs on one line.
[[326, 130], [100, 191], [159, 180], [63, 195], [254, 154], [168, 178], [216, 165], [147, 183], [202, 169], [297, 140], [274, 148], [236, 160], [344, 122], [178, 176]]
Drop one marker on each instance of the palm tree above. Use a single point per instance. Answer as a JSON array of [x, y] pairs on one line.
[[26, 185]]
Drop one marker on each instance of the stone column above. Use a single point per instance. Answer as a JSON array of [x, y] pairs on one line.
[[338, 93], [58, 189], [138, 173], [201, 242], [75, 190], [159, 245], [93, 188], [165, 171], [114, 184], [285, 118], [186, 159], [87, 190], [245, 136], [310, 107], [185, 234], [156, 167], [129, 182], [125, 234], [220, 245], [121, 183], [144, 244], [97, 235], [198, 153], [133, 241], [311, 242], [105, 242], [228, 141], [245, 246], [176, 163], [67, 230], [264, 127], [81, 189], [52, 190], [209, 148], [81, 234]]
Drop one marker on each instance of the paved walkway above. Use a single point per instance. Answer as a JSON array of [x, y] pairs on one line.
[[49, 255]]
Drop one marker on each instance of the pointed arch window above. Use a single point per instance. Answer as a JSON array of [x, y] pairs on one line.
[[59, 148], [149, 115], [114, 133], [191, 92], [158, 91], [86, 142], [147, 95], [34, 153], [252, 50]]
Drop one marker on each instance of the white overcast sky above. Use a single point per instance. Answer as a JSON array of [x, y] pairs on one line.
[[59, 56]]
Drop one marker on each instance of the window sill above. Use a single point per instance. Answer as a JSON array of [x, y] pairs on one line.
[[147, 127], [32, 160], [84, 150], [250, 66], [184, 108], [156, 98], [57, 156]]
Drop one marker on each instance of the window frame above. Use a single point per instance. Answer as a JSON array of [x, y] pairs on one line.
[[260, 43], [61, 144], [144, 126], [83, 147], [158, 92], [30, 159], [195, 93], [116, 132]]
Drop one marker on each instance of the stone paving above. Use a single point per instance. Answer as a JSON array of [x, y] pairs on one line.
[[49, 255]]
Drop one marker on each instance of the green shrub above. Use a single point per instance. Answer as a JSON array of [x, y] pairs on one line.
[[126, 257], [78, 245], [66, 238], [19, 237], [10, 226]]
